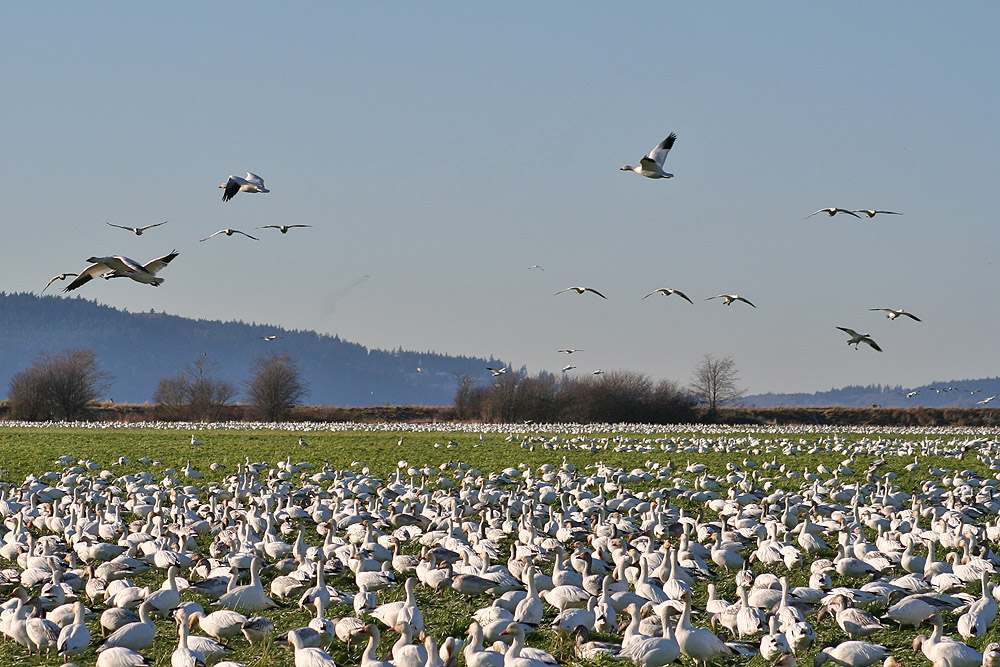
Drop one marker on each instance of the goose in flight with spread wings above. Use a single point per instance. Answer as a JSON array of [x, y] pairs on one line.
[[282, 228], [729, 298], [857, 339], [893, 314], [581, 290], [138, 230], [832, 211], [252, 183], [497, 372], [666, 291], [871, 213], [119, 266], [61, 276], [230, 232], [651, 166]]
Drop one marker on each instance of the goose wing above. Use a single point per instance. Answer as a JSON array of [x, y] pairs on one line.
[[659, 154], [155, 265], [88, 274], [850, 332], [131, 229], [254, 179], [232, 187], [142, 229]]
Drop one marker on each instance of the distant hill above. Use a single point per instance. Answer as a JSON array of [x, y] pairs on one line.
[[950, 394], [138, 349]]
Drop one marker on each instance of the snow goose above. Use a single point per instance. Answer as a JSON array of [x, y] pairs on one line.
[[61, 276], [308, 656], [851, 654], [368, 658], [893, 314], [581, 290], [42, 633], [871, 213], [667, 291], [138, 230], [945, 651], [475, 654], [229, 232], [699, 644], [729, 298], [855, 622], [136, 636], [514, 657], [654, 651], [252, 183], [858, 338], [74, 638], [404, 652], [282, 228], [773, 644], [119, 266], [832, 211], [119, 656], [991, 655], [222, 624], [651, 166], [248, 597]]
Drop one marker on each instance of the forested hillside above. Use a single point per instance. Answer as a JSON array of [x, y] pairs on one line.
[[137, 349]]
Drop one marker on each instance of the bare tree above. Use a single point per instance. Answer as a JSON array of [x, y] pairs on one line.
[[715, 382], [203, 396], [275, 386], [59, 386]]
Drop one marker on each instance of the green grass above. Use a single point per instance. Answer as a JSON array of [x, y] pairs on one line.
[[27, 451]]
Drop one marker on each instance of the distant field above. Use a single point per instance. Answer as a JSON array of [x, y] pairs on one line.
[[33, 451]]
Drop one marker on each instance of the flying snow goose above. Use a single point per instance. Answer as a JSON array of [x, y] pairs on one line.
[[497, 371], [230, 232], [651, 166], [252, 183], [832, 211], [729, 298], [871, 213], [139, 230], [893, 314], [282, 228], [581, 290], [857, 339], [61, 276], [119, 266], [667, 291]]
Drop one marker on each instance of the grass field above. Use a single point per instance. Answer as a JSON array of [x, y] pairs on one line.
[[33, 451]]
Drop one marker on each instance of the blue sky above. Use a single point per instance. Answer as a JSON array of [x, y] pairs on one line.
[[440, 150]]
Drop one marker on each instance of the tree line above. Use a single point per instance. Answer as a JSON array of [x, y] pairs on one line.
[[614, 396], [66, 385]]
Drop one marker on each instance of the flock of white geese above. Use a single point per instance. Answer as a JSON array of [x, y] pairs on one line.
[[592, 553]]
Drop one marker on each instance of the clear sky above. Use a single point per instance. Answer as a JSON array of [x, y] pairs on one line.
[[440, 149]]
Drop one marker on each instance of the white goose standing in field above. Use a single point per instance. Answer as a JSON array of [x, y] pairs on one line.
[[699, 644], [252, 184], [651, 166], [74, 638], [137, 636], [851, 654], [119, 656], [248, 597]]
